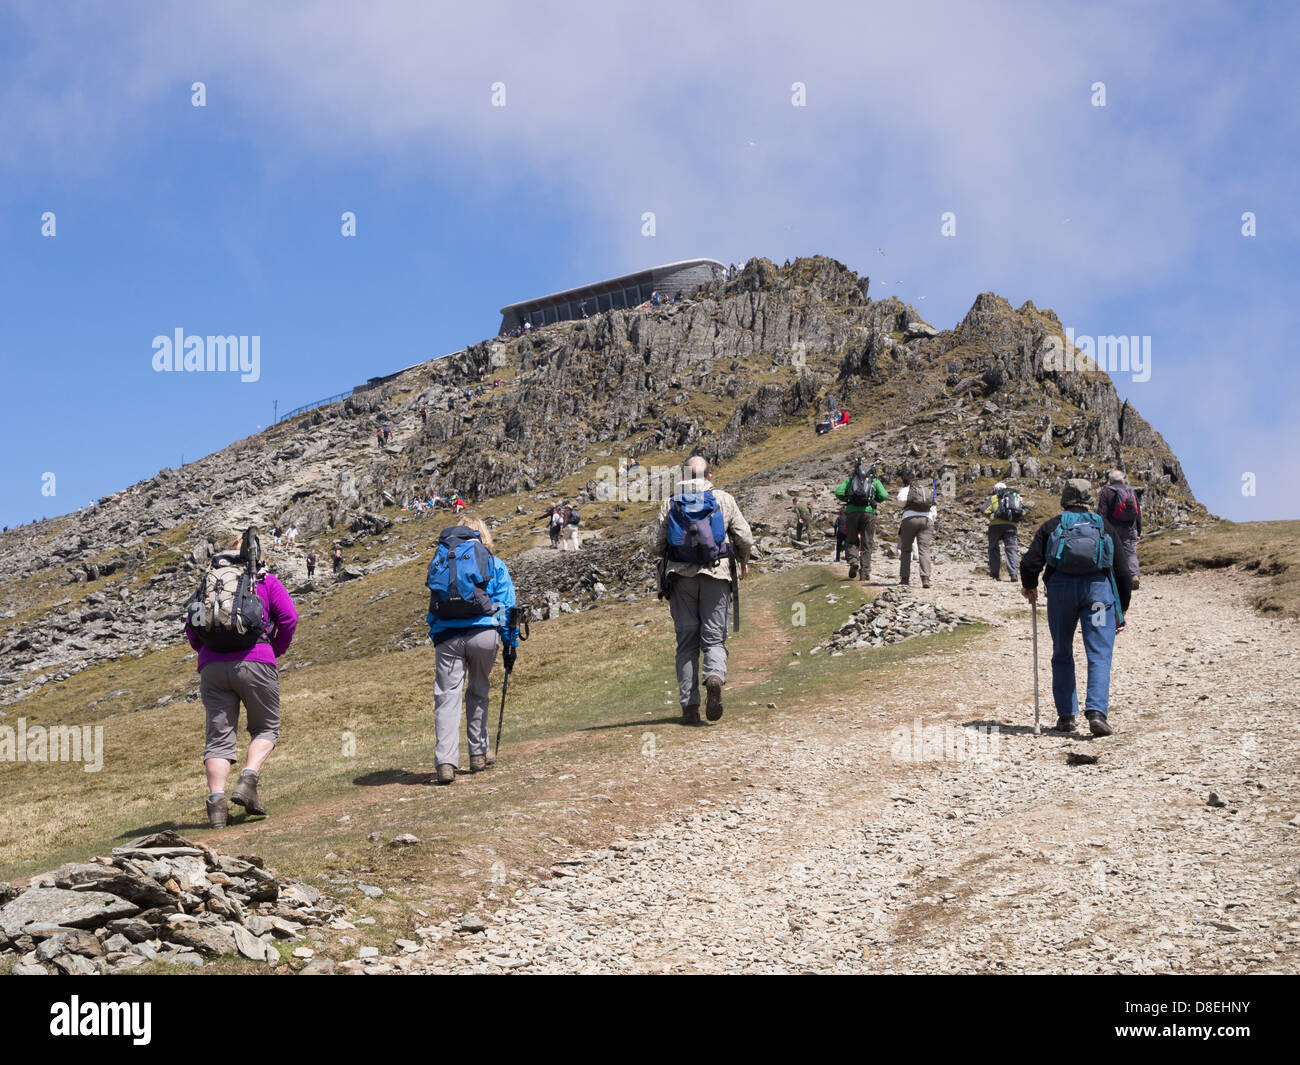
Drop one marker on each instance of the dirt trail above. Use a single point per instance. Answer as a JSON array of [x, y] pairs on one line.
[[852, 849]]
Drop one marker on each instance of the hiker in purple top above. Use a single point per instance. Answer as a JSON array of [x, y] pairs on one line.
[[239, 637]]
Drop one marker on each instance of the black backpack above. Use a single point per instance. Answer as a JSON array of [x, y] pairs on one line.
[[859, 488], [1010, 506], [225, 610]]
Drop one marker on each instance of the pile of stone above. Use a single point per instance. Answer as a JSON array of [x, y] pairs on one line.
[[159, 898], [893, 616]]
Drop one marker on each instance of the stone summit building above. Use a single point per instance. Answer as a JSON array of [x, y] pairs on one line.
[[618, 293]]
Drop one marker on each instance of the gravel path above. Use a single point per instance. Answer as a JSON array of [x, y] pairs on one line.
[[850, 851]]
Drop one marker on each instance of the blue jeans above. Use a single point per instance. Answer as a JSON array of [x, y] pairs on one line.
[[1087, 601]]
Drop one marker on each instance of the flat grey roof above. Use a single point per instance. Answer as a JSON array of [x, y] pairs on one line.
[[568, 294]]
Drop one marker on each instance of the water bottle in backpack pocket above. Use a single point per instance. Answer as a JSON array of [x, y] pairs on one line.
[[459, 575], [697, 532], [1080, 544]]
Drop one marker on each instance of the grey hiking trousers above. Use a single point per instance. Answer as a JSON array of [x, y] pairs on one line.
[[222, 687], [1004, 539], [700, 607], [463, 665]]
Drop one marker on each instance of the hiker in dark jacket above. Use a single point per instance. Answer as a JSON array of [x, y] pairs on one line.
[[840, 533], [860, 517], [338, 561], [311, 563], [250, 677], [1121, 510], [465, 651], [699, 594], [1085, 599]]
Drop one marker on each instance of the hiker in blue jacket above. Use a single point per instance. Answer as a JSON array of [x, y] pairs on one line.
[[1075, 555], [464, 623]]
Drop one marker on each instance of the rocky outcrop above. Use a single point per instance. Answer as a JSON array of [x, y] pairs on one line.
[[893, 616], [714, 374], [159, 898]]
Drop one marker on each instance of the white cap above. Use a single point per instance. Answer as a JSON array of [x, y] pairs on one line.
[[999, 486]]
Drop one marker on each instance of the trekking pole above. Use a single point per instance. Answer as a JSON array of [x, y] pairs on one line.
[[505, 684], [501, 717], [1037, 732]]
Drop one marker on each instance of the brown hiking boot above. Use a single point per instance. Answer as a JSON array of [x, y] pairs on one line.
[[853, 571], [690, 715], [245, 795], [478, 763], [218, 812], [713, 710], [446, 773]]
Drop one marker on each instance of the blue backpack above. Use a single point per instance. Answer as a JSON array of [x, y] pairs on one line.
[[697, 532], [1080, 544], [458, 576]]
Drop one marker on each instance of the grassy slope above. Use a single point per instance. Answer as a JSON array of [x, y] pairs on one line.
[[574, 770], [1266, 549]]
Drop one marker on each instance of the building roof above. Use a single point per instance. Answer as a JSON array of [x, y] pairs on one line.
[[622, 281]]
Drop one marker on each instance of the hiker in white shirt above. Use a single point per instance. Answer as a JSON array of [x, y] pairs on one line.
[[915, 526]]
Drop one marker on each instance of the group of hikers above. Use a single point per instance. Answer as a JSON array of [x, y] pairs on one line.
[[241, 619], [562, 521]]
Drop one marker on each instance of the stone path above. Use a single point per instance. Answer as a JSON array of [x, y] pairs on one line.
[[860, 851]]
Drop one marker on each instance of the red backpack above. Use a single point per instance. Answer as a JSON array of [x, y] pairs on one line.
[[1124, 510]]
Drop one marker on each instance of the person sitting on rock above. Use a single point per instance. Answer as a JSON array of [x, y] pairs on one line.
[[248, 675]]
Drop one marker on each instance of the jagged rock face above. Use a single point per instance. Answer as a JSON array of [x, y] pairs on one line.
[[713, 375]]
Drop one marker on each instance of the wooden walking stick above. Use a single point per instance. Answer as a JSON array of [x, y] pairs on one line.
[[1037, 731]]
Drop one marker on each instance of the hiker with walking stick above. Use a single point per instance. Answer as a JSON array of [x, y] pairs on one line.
[[471, 600], [1076, 556], [701, 534]]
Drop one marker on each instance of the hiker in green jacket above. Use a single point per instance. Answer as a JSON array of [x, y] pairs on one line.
[[862, 493], [802, 518]]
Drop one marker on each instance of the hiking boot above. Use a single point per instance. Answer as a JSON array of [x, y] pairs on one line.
[[446, 773], [925, 584], [713, 710], [218, 812], [1137, 583], [245, 795], [1064, 724], [1098, 724], [478, 763], [853, 570], [690, 715]]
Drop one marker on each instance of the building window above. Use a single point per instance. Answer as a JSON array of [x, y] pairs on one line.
[[602, 302], [617, 301]]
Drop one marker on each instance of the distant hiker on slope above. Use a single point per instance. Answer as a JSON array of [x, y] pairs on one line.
[[916, 526], [802, 518], [701, 534], [338, 561], [1075, 554], [1005, 508], [861, 492], [471, 599], [555, 522], [1120, 509], [240, 620], [570, 539], [311, 563]]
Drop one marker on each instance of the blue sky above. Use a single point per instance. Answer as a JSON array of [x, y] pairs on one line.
[[225, 219]]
